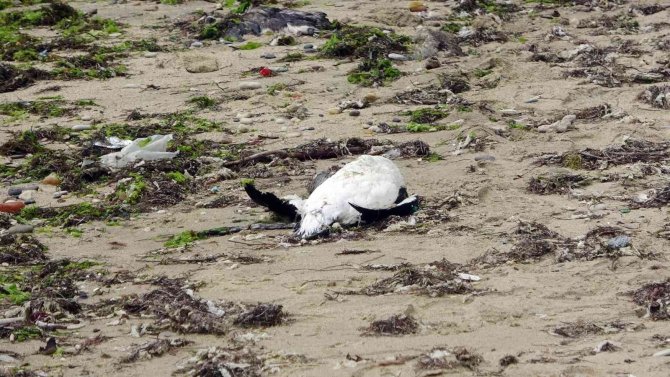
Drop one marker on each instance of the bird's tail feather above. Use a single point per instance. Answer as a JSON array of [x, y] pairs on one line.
[[272, 202], [405, 208]]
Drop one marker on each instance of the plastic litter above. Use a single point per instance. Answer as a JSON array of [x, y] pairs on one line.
[[113, 142], [148, 149], [618, 242]]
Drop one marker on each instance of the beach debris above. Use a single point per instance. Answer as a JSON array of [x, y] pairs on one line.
[[398, 324], [442, 358], [434, 279], [584, 328], [655, 298], [258, 20], [606, 346], [656, 96], [144, 149], [559, 183], [630, 151], [562, 125], [216, 361], [154, 348], [261, 315], [17, 249]]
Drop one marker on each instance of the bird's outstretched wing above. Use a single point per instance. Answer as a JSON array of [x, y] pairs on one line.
[[405, 208], [272, 202]]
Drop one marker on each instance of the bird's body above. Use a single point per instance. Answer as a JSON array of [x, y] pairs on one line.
[[366, 189]]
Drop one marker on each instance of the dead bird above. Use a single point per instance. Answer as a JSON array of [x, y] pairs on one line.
[[367, 189]]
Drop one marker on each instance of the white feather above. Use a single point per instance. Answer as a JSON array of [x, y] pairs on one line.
[[371, 182]]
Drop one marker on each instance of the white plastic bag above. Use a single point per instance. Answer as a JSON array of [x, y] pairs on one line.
[[147, 149]]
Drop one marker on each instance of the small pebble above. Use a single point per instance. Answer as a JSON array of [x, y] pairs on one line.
[[279, 69], [59, 194], [307, 129], [52, 180], [196, 44], [532, 100], [294, 134], [354, 113], [250, 85], [85, 118], [485, 157], [243, 115], [150, 54], [268, 56], [281, 120], [81, 127], [114, 35], [308, 46], [27, 195], [399, 57], [20, 228], [246, 121], [510, 112], [16, 191], [396, 120]]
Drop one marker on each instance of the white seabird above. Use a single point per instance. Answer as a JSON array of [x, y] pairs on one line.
[[367, 189]]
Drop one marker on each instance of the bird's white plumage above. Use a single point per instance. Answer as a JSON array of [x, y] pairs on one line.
[[371, 182]]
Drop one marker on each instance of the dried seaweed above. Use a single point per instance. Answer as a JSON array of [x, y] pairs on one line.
[[21, 249], [582, 328], [434, 279], [174, 307], [655, 298], [557, 183], [262, 315], [442, 358], [656, 96], [632, 151], [593, 112], [12, 78], [215, 361], [324, 149], [154, 348], [534, 241], [455, 83], [396, 325], [508, 360], [655, 199]]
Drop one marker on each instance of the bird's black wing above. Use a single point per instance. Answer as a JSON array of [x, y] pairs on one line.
[[372, 215], [272, 202]]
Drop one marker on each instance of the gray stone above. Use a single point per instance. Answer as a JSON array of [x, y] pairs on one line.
[[200, 63], [250, 85], [20, 228], [308, 46], [354, 113], [398, 57], [59, 194], [81, 127], [268, 56], [28, 195], [485, 157]]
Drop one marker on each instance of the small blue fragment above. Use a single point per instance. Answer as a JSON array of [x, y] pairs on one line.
[[618, 242]]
